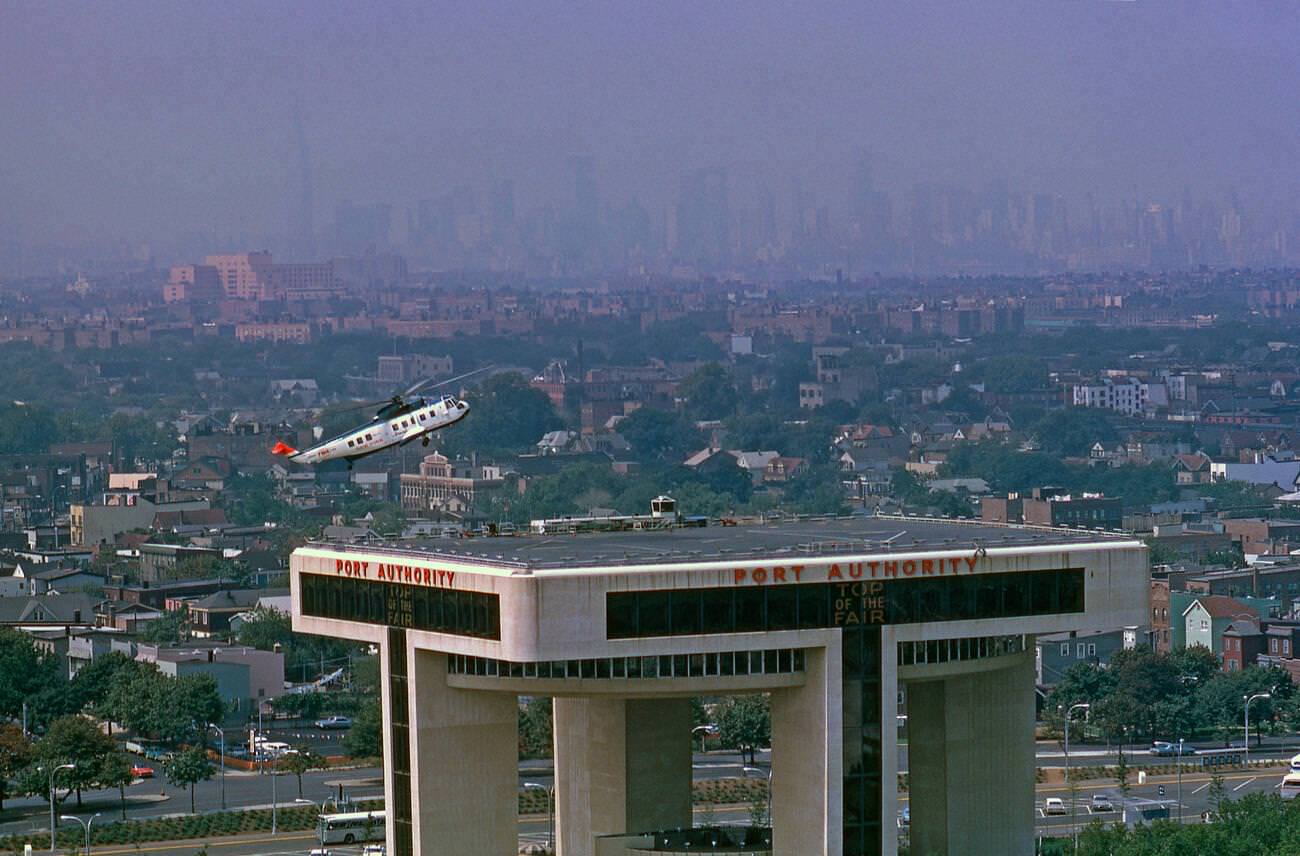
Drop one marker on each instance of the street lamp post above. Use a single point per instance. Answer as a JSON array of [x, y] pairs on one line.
[[1180, 781], [769, 788], [275, 802], [85, 825], [550, 812], [1249, 699], [701, 731], [52, 773], [222, 733], [1069, 713], [320, 829]]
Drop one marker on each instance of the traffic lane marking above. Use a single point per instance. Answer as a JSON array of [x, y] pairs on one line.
[[1243, 784], [1202, 787]]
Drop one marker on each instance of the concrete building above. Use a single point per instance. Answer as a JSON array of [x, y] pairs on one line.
[[1127, 396], [831, 617], [245, 676]]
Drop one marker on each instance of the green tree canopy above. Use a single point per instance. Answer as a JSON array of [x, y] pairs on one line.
[[709, 392], [745, 723], [16, 752], [658, 434], [187, 768], [365, 739], [27, 677], [76, 740]]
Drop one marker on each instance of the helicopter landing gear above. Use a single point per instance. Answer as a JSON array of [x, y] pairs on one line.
[[425, 441]]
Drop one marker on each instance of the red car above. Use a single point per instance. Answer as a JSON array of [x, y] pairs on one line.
[[141, 772]]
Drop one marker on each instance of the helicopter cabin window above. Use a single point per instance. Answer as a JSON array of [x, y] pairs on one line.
[[350, 444], [422, 417], [368, 438]]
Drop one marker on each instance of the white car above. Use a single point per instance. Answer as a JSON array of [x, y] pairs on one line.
[[1295, 763], [1053, 805]]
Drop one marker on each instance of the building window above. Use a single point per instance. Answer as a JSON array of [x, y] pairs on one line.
[[755, 609], [460, 613], [1092, 649], [1065, 649], [1080, 651]]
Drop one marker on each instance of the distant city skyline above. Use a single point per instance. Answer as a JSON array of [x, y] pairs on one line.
[[162, 132]]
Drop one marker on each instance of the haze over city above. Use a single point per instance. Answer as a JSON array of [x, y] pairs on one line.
[[157, 131]]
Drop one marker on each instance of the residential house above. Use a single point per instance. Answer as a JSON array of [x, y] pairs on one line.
[[1243, 642], [1057, 652], [1207, 617], [210, 615], [1192, 469]]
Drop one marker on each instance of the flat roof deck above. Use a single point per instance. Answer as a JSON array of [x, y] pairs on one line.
[[801, 538]]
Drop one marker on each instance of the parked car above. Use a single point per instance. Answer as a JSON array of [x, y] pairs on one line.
[[373, 850], [1165, 749], [1295, 763], [1101, 802], [334, 722], [905, 818], [139, 771], [1053, 805]]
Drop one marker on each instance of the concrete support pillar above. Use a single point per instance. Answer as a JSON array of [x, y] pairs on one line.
[[807, 759], [970, 762], [621, 765], [465, 762]]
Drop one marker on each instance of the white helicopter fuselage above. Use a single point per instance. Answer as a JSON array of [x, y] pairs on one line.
[[380, 434]]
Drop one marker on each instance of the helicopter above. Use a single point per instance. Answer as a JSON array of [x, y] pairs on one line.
[[402, 419]]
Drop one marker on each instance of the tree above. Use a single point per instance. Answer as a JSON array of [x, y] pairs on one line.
[[709, 392], [535, 728], [171, 709], [187, 768], [76, 740], [115, 772], [25, 428], [16, 752], [27, 677], [365, 739], [93, 684], [171, 628], [300, 761], [660, 434], [1122, 774], [264, 628], [745, 722]]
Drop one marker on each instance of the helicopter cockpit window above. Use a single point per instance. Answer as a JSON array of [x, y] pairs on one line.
[[448, 400]]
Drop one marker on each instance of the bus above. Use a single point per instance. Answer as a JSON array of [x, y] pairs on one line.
[[351, 827]]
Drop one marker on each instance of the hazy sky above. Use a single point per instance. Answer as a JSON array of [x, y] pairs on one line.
[[136, 119]]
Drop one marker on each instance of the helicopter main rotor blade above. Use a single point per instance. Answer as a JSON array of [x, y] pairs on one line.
[[450, 380], [365, 405]]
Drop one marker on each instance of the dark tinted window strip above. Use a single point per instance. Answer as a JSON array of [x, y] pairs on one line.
[[703, 611], [460, 613]]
